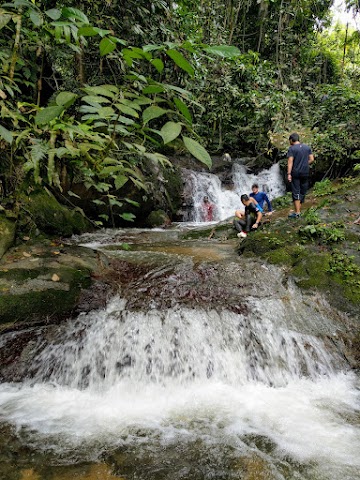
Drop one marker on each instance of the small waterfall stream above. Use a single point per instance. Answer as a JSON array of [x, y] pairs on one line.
[[226, 200], [233, 371]]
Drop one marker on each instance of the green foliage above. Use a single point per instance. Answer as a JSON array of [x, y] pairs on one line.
[[283, 201], [344, 265], [311, 216], [324, 233], [325, 187], [103, 136]]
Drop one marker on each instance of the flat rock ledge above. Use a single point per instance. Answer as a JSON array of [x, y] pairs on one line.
[[47, 281]]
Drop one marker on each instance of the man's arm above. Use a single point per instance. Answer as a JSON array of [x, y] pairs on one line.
[[258, 220], [311, 158], [267, 200], [289, 167]]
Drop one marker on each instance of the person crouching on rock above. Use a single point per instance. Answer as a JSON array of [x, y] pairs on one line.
[[250, 219]]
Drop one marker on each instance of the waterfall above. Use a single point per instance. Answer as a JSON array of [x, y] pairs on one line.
[[227, 200], [254, 373], [179, 346]]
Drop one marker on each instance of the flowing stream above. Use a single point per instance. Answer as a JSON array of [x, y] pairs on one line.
[[202, 366]]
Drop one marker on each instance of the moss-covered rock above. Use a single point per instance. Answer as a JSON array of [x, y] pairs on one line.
[[7, 234], [41, 281], [44, 212], [157, 218]]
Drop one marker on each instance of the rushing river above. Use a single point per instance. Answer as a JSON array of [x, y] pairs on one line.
[[202, 366]]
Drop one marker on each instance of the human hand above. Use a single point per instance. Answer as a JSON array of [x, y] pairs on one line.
[[269, 213], [255, 226]]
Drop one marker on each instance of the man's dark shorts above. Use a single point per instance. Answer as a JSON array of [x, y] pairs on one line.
[[299, 186]]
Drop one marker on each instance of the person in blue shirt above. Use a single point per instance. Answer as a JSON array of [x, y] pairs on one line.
[[251, 219], [261, 198]]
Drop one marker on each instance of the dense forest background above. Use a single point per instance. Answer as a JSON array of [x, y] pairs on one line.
[[97, 98]]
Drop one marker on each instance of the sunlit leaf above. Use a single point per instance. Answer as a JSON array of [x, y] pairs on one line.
[[158, 64], [170, 131], [6, 134], [72, 194], [53, 13], [88, 32], [181, 61], [153, 89], [132, 202], [65, 99], [95, 99], [74, 13], [152, 112], [103, 90], [106, 46], [36, 18], [4, 18], [47, 114], [120, 181], [127, 110], [183, 109], [130, 217], [226, 51], [198, 151]]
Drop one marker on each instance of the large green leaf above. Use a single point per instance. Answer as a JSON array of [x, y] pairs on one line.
[[47, 114], [149, 48], [227, 51], [106, 112], [53, 13], [88, 32], [4, 18], [170, 131], [65, 99], [36, 18], [198, 151], [103, 90], [106, 46], [183, 109], [120, 181], [95, 99], [75, 14], [6, 134], [158, 64], [152, 112], [127, 110], [181, 61], [153, 89], [130, 217]]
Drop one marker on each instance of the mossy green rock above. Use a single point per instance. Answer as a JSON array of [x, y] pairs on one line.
[[7, 234], [158, 218], [42, 282], [52, 218]]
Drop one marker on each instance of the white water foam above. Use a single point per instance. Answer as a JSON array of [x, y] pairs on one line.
[[185, 374]]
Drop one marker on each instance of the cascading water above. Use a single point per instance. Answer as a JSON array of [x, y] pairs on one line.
[[222, 381], [226, 201]]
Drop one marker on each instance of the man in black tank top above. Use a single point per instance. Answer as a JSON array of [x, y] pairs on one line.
[[299, 158]]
